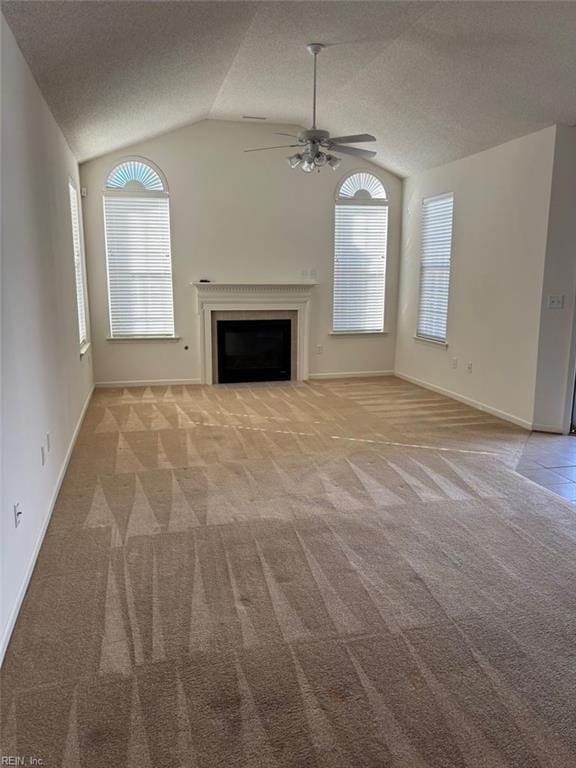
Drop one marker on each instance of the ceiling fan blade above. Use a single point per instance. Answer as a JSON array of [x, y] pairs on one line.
[[353, 151], [292, 135], [356, 139], [280, 146]]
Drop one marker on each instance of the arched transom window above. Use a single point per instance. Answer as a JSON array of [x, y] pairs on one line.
[[138, 251], [136, 175], [362, 186], [360, 241]]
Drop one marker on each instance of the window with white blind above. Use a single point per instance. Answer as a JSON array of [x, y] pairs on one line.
[[437, 216], [138, 252], [78, 265], [360, 241]]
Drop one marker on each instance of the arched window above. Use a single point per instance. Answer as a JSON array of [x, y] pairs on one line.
[[360, 240], [138, 252], [137, 175]]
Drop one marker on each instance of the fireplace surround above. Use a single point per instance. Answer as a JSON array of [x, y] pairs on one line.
[[253, 301]]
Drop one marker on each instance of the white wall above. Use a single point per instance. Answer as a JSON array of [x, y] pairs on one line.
[[235, 216], [44, 382], [501, 207], [555, 372]]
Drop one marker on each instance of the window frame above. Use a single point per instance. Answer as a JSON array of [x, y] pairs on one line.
[[442, 342], [83, 343], [357, 202], [124, 192]]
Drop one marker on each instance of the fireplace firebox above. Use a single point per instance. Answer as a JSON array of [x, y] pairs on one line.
[[254, 350]]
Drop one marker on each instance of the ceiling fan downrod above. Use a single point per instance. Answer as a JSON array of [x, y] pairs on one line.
[[315, 145], [314, 49]]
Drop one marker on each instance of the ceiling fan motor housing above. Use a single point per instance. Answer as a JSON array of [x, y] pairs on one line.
[[314, 134]]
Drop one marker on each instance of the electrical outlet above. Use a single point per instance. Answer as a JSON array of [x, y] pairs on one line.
[[469, 367], [43, 454], [48, 441], [556, 301], [17, 514], [319, 349], [454, 363]]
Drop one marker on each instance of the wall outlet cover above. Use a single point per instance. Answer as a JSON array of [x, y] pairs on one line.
[[555, 301]]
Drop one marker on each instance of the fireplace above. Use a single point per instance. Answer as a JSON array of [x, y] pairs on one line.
[[216, 302], [254, 350]]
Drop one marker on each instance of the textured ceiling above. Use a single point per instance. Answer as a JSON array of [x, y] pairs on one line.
[[433, 81]]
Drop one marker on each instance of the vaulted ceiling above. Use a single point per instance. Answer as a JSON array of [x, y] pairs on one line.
[[433, 81]]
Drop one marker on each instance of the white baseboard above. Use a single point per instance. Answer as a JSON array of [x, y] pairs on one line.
[[469, 401], [20, 599], [168, 382], [146, 383], [556, 430], [350, 374]]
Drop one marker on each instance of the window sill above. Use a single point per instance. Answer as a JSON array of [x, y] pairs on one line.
[[143, 338], [434, 342], [358, 333], [84, 348]]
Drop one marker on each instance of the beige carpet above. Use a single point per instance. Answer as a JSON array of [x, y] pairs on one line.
[[343, 574]]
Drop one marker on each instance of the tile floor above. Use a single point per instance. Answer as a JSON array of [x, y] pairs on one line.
[[550, 461]]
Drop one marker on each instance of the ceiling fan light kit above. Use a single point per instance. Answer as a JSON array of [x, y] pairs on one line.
[[315, 145], [309, 164]]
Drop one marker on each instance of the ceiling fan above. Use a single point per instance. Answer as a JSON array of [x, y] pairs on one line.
[[314, 144]]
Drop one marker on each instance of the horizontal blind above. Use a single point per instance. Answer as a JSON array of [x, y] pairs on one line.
[[78, 266], [437, 216], [360, 267], [139, 266]]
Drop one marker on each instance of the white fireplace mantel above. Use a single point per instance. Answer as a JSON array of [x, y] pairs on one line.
[[254, 296]]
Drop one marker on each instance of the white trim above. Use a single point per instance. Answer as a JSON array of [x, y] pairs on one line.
[[143, 338], [145, 383], [350, 374], [5, 640], [359, 333], [213, 286], [468, 401], [429, 340], [570, 401], [363, 201], [556, 430], [252, 297]]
